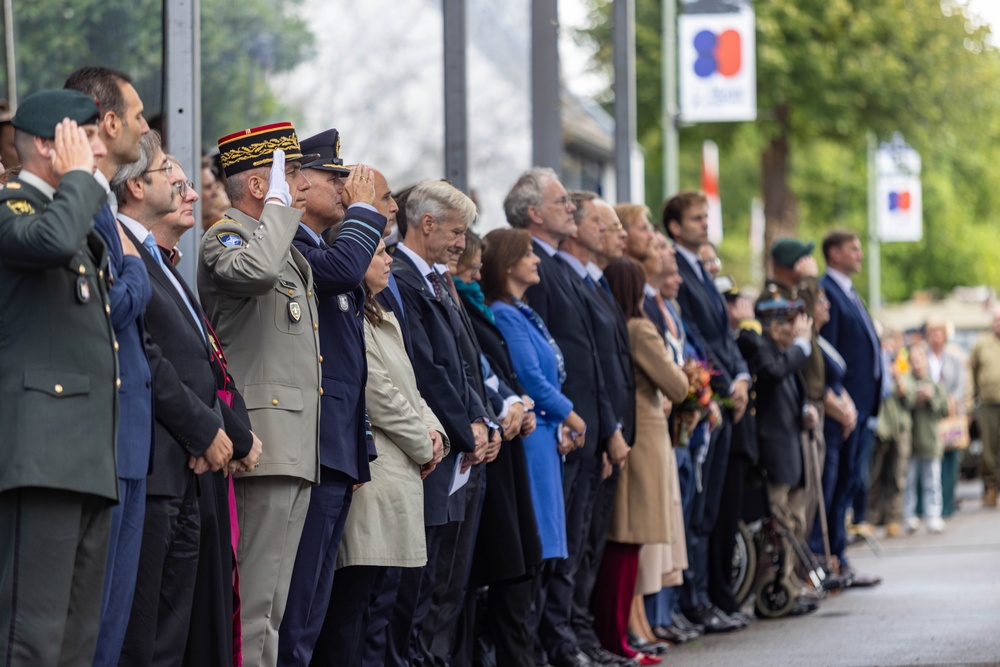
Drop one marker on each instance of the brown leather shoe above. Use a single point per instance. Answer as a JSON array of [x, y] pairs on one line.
[[990, 497], [892, 529]]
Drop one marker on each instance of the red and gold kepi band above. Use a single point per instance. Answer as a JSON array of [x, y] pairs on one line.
[[249, 149]]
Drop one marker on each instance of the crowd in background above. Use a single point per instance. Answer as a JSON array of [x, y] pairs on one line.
[[369, 436]]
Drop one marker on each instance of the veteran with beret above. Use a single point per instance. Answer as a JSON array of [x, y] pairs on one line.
[[58, 387], [257, 291]]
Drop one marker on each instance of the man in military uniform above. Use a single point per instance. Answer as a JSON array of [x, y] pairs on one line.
[[345, 445], [257, 291], [58, 388]]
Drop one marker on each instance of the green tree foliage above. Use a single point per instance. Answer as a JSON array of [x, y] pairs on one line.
[[828, 71], [241, 44]]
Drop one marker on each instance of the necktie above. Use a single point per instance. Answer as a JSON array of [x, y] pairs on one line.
[[435, 280], [666, 316], [590, 282], [606, 286], [150, 244]]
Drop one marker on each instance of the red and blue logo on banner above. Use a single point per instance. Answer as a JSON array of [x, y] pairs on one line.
[[717, 53], [899, 201]]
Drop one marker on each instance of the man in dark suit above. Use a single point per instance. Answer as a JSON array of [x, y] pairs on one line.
[[437, 216], [191, 435], [851, 332], [685, 218], [345, 444], [539, 203], [120, 127], [579, 251], [59, 400]]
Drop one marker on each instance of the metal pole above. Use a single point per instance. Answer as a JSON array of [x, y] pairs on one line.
[[671, 143], [874, 259], [8, 37], [546, 103], [456, 126], [623, 37], [182, 108]]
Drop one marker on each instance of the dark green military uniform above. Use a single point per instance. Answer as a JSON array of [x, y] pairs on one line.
[[58, 412]]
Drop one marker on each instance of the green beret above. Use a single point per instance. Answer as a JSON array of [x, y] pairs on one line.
[[786, 251], [39, 113]]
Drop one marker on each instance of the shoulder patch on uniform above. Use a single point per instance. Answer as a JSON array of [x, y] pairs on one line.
[[20, 206], [230, 240], [235, 222]]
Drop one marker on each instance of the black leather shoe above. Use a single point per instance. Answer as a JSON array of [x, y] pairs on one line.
[[739, 617], [803, 606], [684, 623], [643, 646], [600, 656], [578, 659], [673, 634], [857, 580], [713, 619]]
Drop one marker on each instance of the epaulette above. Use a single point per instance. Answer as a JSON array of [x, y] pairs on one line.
[[751, 325], [227, 220]]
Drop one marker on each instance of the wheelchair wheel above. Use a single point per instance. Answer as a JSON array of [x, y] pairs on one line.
[[774, 599], [744, 565]]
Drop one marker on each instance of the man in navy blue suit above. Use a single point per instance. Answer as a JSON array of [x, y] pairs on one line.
[[851, 331], [685, 217], [437, 217], [345, 444], [120, 126]]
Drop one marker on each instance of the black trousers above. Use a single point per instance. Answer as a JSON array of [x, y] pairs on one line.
[[704, 513], [508, 607], [164, 590], [590, 563], [580, 477], [53, 555], [723, 539], [380, 609], [413, 603], [342, 639]]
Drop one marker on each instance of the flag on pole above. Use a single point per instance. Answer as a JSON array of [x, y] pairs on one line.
[[710, 186]]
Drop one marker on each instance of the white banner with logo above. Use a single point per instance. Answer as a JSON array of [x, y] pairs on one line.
[[898, 193], [717, 61]]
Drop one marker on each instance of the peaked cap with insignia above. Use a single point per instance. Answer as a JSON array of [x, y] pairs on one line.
[[252, 148]]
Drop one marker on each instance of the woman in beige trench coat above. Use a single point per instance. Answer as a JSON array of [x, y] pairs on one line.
[[643, 504]]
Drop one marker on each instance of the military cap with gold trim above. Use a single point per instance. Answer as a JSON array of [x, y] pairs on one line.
[[327, 144], [39, 113], [252, 148]]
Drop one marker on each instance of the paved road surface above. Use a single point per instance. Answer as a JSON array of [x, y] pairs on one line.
[[939, 605]]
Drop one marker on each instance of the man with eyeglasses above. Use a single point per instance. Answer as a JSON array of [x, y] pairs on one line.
[[194, 431], [120, 127], [539, 203]]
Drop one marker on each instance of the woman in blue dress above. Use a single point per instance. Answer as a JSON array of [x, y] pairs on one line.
[[509, 268]]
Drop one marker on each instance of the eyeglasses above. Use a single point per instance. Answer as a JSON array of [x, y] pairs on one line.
[[168, 169], [563, 201], [715, 263], [182, 188], [617, 227]]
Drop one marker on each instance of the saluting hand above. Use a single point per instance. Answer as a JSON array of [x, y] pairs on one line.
[[71, 149], [359, 187]]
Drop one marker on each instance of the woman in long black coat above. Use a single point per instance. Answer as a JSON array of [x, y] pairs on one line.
[[508, 549]]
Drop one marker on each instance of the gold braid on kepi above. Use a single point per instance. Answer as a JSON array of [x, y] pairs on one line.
[[252, 148]]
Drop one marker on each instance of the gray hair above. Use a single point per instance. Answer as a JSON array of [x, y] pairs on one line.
[[527, 192], [581, 197], [238, 183], [149, 146], [437, 198]]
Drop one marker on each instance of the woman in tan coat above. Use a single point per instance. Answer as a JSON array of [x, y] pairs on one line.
[[385, 526], [643, 510]]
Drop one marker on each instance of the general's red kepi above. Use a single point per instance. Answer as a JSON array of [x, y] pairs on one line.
[[249, 149]]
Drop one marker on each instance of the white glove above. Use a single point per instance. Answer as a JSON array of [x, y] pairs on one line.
[[278, 188]]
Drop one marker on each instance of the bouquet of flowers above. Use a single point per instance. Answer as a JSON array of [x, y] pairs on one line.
[[697, 403]]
